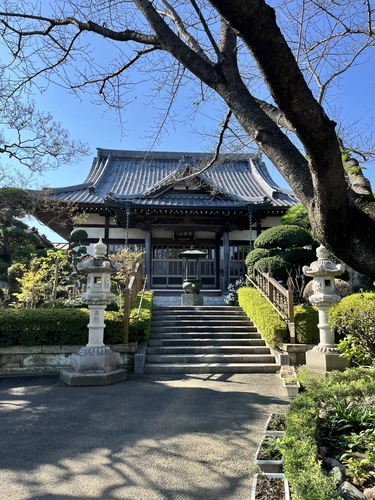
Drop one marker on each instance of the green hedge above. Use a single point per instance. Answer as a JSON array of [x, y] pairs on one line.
[[300, 444], [267, 320], [271, 326], [31, 327], [139, 328], [306, 320]]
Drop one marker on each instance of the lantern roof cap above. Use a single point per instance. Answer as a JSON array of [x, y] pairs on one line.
[[193, 253]]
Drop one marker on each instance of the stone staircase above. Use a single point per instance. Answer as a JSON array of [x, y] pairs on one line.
[[205, 339]]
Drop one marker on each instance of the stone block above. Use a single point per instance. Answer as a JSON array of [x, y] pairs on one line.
[[140, 357], [191, 299], [99, 360], [325, 362], [71, 377]]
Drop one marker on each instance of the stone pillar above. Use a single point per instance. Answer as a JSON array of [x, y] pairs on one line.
[[96, 364], [324, 357]]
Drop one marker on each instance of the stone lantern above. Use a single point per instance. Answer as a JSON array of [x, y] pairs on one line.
[[96, 364], [192, 283], [324, 357]]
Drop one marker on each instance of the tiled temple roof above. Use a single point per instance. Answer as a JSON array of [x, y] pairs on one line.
[[148, 179]]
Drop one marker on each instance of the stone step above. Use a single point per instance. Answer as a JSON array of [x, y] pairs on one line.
[[191, 335], [175, 321], [209, 358], [206, 339], [212, 368], [219, 311], [205, 342], [209, 350], [205, 329]]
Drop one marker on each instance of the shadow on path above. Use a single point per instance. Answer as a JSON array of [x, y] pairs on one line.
[[150, 437]]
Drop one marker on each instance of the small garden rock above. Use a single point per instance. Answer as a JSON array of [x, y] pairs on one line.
[[339, 475], [349, 492]]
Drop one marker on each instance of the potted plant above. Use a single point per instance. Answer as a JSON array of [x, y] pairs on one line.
[[268, 456], [270, 486], [292, 387], [275, 425]]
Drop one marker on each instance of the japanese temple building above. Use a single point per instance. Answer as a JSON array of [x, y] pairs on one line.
[[165, 203]]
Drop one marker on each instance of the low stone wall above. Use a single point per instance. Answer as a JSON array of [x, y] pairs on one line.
[[51, 359]]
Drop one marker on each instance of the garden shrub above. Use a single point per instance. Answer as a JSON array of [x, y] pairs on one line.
[[139, 328], [276, 264], [281, 251], [302, 466], [253, 256], [306, 320], [68, 326], [284, 237], [353, 320], [267, 320]]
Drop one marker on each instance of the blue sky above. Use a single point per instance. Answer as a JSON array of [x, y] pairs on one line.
[[100, 128]]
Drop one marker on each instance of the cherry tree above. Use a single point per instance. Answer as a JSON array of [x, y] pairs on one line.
[[295, 50]]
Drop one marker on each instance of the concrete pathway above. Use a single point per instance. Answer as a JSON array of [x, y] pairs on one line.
[[151, 437]]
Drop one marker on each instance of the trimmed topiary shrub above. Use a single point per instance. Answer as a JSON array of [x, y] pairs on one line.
[[255, 255], [276, 264], [306, 320], [353, 320], [299, 256], [267, 320], [284, 237]]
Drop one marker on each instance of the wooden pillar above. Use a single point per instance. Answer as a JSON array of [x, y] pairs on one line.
[[106, 229], [217, 265], [226, 257], [148, 256]]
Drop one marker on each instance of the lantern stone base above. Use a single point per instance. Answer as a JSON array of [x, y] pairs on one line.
[[321, 361], [94, 366], [191, 299]]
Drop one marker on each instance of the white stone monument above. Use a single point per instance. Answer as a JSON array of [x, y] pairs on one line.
[[324, 357], [96, 364]]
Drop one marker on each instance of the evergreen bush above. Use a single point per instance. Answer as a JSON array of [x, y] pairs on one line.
[[353, 320], [284, 237], [68, 326], [276, 264], [255, 255], [267, 320], [306, 320], [304, 422], [139, 328]]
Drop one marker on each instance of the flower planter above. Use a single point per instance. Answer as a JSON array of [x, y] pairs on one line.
[[292, 387], [275, 424], [265, 456], [270, 488]]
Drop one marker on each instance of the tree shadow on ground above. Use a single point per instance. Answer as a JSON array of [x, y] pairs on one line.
[[146, 438]]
